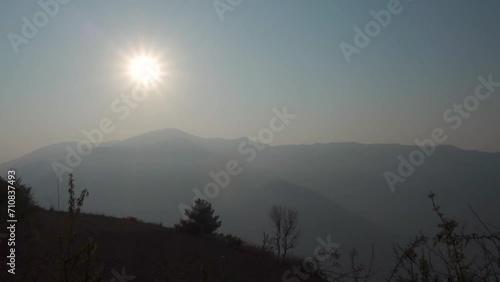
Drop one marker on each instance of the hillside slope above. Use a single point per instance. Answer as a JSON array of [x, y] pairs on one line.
[[147, 251]]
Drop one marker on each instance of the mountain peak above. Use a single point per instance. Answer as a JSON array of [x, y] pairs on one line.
[[157, 137]]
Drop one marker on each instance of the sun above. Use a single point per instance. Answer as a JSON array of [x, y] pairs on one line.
[[145, 70]]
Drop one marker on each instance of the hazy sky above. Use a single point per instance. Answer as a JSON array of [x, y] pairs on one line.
[[225, 77]]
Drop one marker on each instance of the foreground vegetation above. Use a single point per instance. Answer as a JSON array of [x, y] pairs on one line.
[[451, 254]]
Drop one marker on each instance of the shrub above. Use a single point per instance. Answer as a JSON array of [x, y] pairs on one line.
[[133, 219], [24, 198], [231, 240]]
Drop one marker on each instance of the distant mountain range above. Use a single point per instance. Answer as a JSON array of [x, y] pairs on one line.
[[338, 188]]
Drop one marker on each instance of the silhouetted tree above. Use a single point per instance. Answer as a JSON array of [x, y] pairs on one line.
[[276, 216], [291, 230], [24, 200], [201, 219], [286, 229]]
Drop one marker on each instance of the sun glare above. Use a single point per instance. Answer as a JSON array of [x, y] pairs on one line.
[[145, 70]]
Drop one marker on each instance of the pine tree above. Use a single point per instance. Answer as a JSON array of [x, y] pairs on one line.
[[201, 219]]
